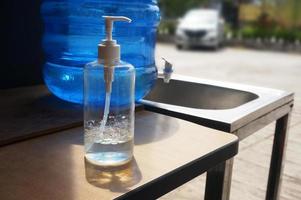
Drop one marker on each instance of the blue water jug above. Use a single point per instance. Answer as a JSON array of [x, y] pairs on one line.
[[73, 29]]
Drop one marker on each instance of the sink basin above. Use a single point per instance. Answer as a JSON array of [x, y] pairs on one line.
[[219, 105], [197, 95]]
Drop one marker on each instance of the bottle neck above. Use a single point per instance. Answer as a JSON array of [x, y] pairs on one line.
[[109, 52], [114, 64]]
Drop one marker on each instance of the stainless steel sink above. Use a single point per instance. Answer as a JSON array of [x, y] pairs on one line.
[[233, 108], [198, 96], [219, 105]]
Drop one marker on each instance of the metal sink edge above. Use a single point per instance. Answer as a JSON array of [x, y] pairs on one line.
[[227, 120]]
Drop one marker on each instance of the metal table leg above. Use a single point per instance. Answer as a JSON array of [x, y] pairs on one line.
[[218, 181], [278, 152]]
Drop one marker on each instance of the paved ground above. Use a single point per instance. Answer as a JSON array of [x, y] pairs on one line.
[[268, 69]]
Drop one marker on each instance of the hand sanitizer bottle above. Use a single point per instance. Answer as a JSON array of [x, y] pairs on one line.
[[109, 96]]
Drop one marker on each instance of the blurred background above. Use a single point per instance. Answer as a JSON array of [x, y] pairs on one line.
[[274, 24]]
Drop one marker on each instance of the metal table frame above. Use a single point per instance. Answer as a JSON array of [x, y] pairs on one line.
[[281, 115], [242, 122], [277, 156]]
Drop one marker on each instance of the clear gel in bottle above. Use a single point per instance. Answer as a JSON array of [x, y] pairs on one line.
[[109, 96]]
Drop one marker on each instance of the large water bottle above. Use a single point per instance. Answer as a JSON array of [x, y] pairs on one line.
[[72, 30]]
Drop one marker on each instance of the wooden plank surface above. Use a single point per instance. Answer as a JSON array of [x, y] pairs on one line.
[[28, 112], [53, 167]]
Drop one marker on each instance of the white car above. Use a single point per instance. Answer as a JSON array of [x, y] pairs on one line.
[[200, 27]]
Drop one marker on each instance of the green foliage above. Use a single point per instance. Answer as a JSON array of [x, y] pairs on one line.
[[298, 35], [167, 27], [266, 27], [266, 33]]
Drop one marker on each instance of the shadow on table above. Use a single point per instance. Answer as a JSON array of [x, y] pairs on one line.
[[32, 111], [50, 101], [150, 127], [115, 179]]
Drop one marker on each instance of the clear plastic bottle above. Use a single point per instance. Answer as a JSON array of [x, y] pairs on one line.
[[109, 141], [109, 103]]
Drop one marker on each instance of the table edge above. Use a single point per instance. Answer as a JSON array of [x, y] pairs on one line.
[[154, 189]]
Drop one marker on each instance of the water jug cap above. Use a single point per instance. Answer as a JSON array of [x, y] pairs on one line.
[[109, 50]]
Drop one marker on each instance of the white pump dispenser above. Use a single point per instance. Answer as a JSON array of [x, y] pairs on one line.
[[109, 107], [109, 50]]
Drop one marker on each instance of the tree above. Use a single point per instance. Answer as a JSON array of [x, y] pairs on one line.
[[177, 8]]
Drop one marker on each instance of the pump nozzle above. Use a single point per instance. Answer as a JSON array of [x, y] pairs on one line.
[[109, 50], [109, 24]]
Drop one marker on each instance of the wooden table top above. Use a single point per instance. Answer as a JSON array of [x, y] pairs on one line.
[[168, 152], [28, 112]]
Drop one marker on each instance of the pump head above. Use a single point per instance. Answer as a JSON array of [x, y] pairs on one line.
[[109, 20], [109, 50]]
